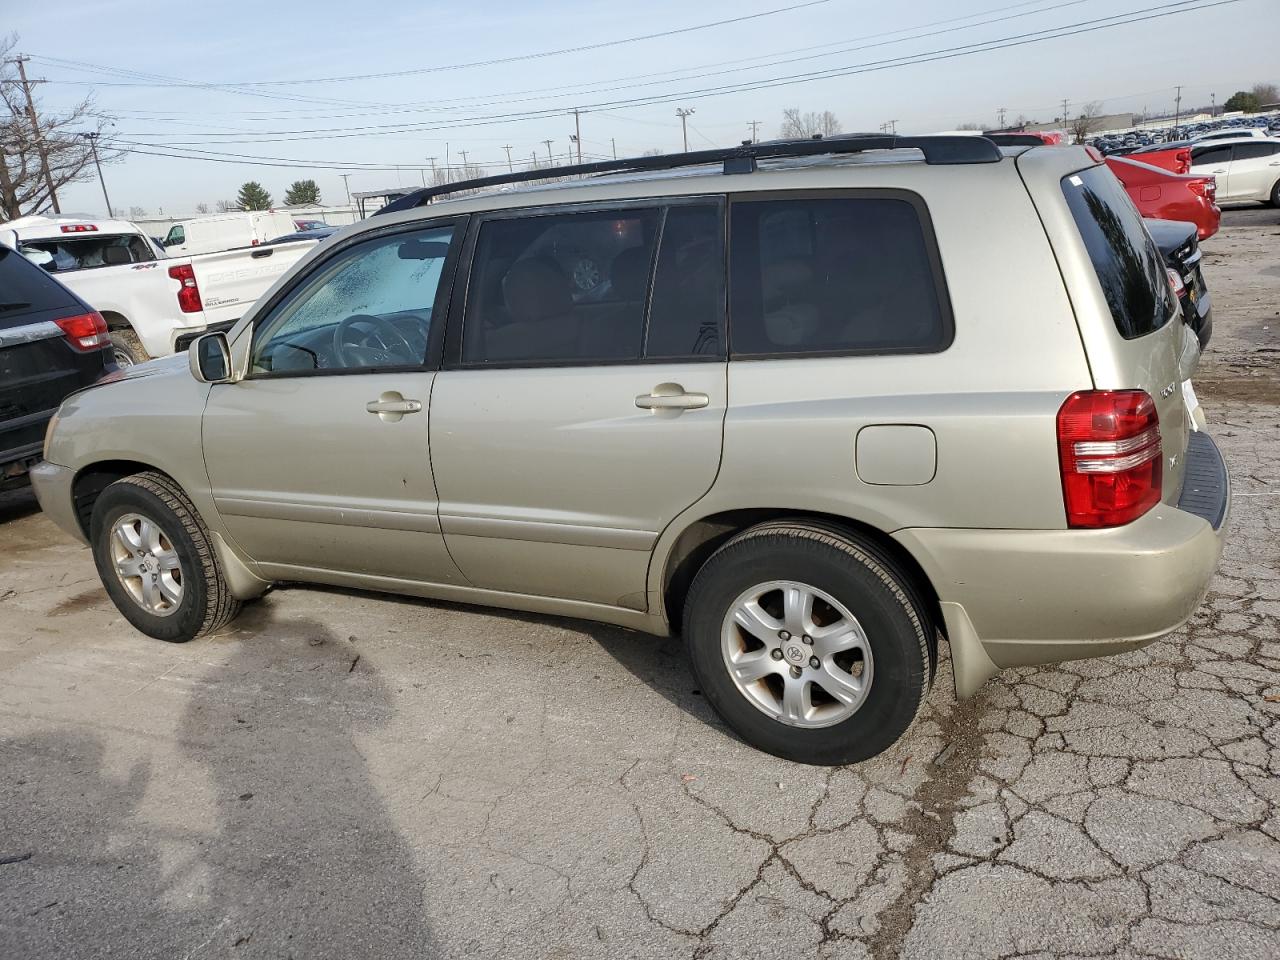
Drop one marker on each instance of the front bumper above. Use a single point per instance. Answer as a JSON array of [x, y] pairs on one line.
[[1025, 597], [52, 485]]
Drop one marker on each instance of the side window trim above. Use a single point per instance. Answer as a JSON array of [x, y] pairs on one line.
[[452, 351], [440, 306], [933, 254]]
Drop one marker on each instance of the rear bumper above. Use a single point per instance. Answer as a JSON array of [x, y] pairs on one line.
[[52, 485], [1025, 597]]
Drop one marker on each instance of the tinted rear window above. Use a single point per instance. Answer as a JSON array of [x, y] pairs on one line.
[[85, 253], [26, 289], [1126, 261], [833, 275]]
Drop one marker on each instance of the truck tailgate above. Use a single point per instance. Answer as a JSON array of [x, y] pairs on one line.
[[231, 281]]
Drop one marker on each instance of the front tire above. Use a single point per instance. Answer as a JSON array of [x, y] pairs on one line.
[[156, 560], [812, 644]]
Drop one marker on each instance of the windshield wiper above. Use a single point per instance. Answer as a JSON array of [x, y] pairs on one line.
[[13, 305]]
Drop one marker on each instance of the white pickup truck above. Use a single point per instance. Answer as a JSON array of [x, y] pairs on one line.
[[154, 305]]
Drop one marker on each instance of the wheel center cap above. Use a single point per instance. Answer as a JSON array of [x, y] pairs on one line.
[[796, 653]]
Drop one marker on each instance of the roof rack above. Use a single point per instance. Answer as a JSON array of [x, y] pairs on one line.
[[741, 159], [1014, 139]]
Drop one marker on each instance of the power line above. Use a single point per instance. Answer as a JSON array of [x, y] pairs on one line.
[[947, 53], [417, 71], [647, 81], [1150, 13]]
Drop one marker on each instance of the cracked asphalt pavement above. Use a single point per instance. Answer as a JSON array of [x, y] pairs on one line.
[[346, 775]]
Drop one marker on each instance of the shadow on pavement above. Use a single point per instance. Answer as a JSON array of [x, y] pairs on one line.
[[287, 850], [17, 503]]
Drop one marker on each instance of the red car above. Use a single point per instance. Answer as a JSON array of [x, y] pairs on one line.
[[1175, 157], [1162, 195]]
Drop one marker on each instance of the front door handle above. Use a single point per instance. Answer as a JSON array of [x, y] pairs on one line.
[[391, 406], [671, 396]]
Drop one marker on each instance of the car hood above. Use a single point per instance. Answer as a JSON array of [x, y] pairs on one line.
[[175, 365]]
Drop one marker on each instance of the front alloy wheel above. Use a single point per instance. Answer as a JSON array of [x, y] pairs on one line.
[[147, 564]]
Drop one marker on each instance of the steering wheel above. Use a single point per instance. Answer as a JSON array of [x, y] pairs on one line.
[[389, 346]]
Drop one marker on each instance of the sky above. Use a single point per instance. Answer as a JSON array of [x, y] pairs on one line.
[[211, 85]]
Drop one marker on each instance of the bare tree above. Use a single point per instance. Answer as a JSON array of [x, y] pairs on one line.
[[136, 213], [652, 152], [228, 206], [802, 126], [1267, 93], [1080, 127], [970, 126], [24, 187], [202, 208]]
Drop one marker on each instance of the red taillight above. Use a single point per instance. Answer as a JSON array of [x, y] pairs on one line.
[[1182, 160], [189, 292], [1175, 282], [1206, 187], [85, 331], [79, 228], [1109, 450]]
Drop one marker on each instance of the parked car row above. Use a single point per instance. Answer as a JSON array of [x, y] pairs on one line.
[[1261, 125], [786, 400]]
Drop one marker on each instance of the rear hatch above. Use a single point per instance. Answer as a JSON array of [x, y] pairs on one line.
[[1144, 344], [38, 366]]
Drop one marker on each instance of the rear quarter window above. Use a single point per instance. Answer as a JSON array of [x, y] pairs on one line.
[[834, 275], [1125, 259]]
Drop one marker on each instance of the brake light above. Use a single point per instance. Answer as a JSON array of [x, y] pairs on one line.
[[1109, 452], [1175, 281], [1206, 187], [189, 292], [85, 331], [79, 228], [1183, 160]]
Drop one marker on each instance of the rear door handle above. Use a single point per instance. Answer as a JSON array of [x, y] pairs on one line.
[[391, 406], [671, 396]]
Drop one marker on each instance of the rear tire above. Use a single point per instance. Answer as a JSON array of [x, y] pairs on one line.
[[1275, 195], [127, 348], [857, 590], [156, 560]]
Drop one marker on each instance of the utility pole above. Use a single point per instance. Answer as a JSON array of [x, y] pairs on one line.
[[447, 165], [684, 116], [1001, 111], [577, 131], [551, 161], [21, 61], [464, 162], [755, 126], [893, 126], [1065, 101], [1213, 105], [346, 184], [510, 168], [432, 161], [93, 145], [1177, 110], [614, 144], [533, 157]]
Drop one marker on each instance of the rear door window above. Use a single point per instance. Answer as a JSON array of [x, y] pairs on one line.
[[1127, 263], [1253, 151], [834, 275], [686, 309], [27, 289]]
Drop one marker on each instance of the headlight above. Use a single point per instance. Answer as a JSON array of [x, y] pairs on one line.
[[48, 434]]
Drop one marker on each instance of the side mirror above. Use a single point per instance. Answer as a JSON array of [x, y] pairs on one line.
[[210, 358]]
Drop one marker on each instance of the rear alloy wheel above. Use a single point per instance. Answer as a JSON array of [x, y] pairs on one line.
[[811, 643], [1275, 194], [156, 560]]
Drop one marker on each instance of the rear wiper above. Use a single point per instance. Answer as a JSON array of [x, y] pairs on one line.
[[13, 305]]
